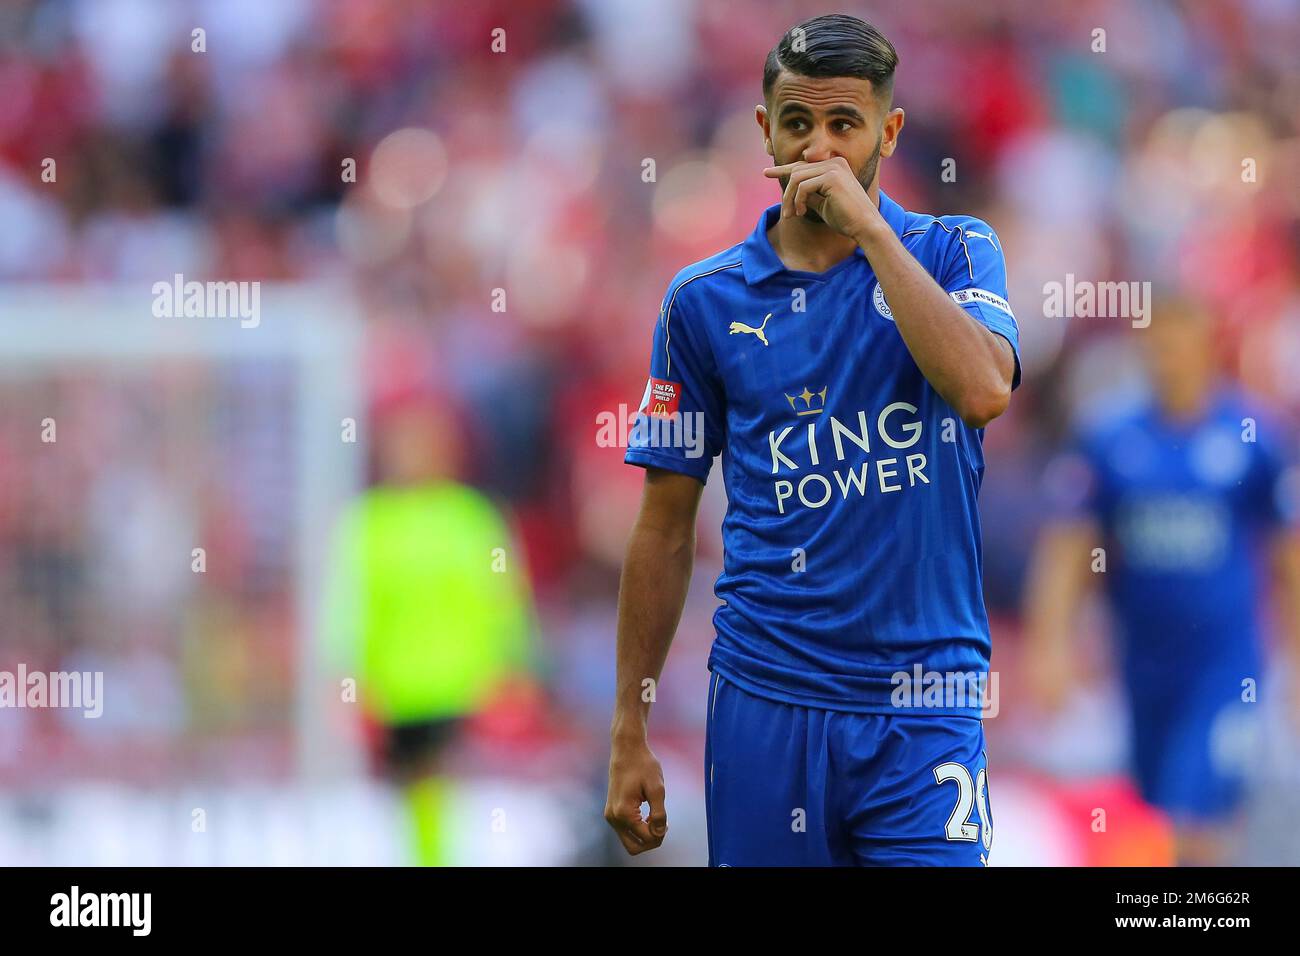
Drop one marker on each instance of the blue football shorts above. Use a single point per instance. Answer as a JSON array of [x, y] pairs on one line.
[[788, 785], [1191, 753]]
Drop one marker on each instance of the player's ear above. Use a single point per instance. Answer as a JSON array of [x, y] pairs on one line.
[[893, 126], [760, 114]]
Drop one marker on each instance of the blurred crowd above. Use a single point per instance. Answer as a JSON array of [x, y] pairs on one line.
[[529, 174]]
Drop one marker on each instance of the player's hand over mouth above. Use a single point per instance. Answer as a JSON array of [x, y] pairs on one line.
[[830, 189]]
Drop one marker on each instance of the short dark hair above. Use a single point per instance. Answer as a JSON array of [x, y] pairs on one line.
[[835, 45]]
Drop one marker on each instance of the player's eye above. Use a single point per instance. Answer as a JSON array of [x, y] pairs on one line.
[[843, 126], [796, 124]]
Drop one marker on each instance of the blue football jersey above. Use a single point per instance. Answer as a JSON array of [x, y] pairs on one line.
[[1184, 509], [851, 539]]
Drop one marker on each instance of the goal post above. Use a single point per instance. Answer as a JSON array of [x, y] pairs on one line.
[[144, 404]]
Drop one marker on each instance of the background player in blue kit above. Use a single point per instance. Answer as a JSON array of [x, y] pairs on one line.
[[843, 360], [1191, 501]]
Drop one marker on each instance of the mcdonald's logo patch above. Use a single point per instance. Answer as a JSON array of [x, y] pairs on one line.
[[662, 398]]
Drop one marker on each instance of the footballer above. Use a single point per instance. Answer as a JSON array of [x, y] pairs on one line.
[[1192, 494], [844, 361]]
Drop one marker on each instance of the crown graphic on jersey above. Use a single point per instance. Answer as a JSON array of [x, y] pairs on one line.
[[807, 396]]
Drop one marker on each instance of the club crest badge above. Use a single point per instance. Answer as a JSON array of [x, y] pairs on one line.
[[878, 300]]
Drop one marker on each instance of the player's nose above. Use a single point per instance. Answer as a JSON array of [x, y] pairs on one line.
[[817, 150]]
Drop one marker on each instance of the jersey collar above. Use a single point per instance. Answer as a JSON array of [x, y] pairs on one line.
[[760, 261]]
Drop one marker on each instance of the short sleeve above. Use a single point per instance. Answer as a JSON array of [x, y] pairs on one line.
[[1072, 485], [1286, 495], [1275, 482], [680, 421], [975, 276]]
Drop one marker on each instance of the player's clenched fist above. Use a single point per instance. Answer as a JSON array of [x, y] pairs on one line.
[[829, 189], [635, 777]]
